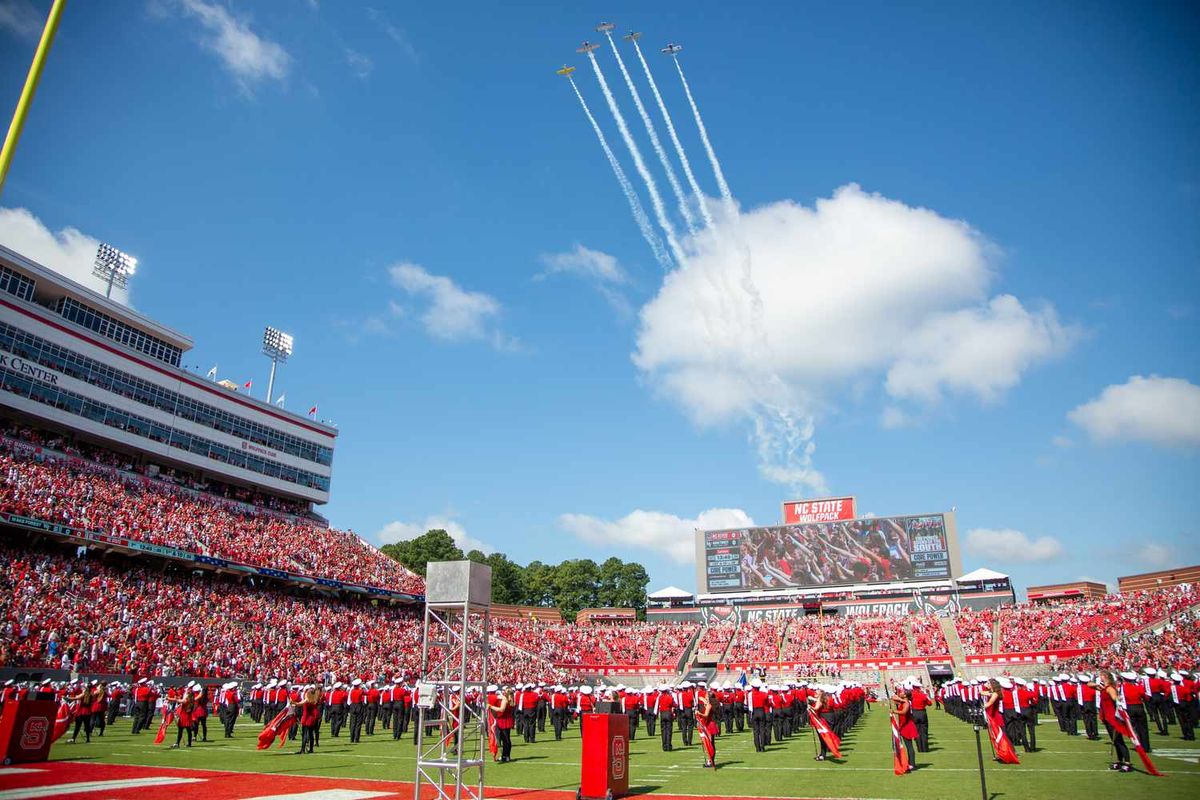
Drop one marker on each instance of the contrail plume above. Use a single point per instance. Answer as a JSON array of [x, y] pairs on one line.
[[683, 159], [726, 195], [635, 205], [684, 208], [651, 187]]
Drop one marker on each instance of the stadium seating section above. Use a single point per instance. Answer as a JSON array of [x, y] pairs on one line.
[[84, 493], [111, 613]]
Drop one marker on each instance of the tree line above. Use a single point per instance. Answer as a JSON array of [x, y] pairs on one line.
[[571, 585]]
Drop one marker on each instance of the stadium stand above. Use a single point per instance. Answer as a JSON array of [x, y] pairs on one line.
[[60, 610], [89, 494]]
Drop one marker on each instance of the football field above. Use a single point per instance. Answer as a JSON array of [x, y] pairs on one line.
[[1065, 767]]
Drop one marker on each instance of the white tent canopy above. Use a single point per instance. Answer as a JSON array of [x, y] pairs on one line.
[[670, 593], [982, 574]]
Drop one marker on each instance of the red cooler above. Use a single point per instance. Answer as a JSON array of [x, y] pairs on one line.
[[25, 730], [605, 768]]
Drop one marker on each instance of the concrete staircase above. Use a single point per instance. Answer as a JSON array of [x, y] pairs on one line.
[[957, 655], [607, 651], [996, 635], [910, 638], [654, 646], [783, 637]]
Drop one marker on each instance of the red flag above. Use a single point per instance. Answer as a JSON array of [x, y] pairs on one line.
[[899, 753], [1118, 718], [312, 412], [162, 728], [707, 731], [1000, 743], [247, 384], [493, 745], [61, 722], [278, 727], [831, 739]]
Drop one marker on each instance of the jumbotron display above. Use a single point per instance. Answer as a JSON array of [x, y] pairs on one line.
[[880, 549]]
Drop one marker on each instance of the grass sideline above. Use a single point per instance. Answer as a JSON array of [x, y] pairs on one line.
[[1065, 767]]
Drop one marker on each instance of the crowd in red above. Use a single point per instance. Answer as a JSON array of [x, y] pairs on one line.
[[87, 614], [101, 498], [974, 630], [928, 635], [1088, 624], [619, 643]]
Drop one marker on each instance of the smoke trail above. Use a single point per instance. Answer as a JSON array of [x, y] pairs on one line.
[[683, 159], [635, 205], [726, 195], [684, 209], [651, 187]]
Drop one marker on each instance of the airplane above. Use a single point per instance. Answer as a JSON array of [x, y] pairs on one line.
[[672, 49], [605, 27], [586, 47], [565, 71], [633, 36]]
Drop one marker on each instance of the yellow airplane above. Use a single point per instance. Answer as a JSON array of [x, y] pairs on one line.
[[565, 71]]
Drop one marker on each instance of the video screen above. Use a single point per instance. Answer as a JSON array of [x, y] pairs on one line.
[[879, 549]]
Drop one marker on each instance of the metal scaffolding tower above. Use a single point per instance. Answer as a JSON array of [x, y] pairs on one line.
[[452, 691]]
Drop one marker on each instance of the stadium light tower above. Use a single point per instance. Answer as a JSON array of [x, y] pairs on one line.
[[113, 266], [277, 346]]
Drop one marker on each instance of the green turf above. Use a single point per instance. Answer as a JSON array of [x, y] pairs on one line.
[[1065, 768]]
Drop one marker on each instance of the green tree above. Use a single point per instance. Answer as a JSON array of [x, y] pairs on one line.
[[433, 545], [608, 588], [575, 583], [539, 584]]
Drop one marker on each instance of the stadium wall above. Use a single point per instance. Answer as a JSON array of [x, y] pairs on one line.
[[1158, 580], [898, 604]]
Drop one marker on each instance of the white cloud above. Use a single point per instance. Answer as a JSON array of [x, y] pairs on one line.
[[395, 33], [1010, 546], [360, 63], [770, 317], [453, 314], [892, 418], [248, 56], [598, 268], [586, 263], [401, 531], [1154, 554], [981, 351], [68, 252], [654, 530], [1062, 441], [20, 18], [1162, 411]]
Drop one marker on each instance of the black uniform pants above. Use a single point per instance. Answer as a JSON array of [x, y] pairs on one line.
[[504, 739], [666, 722], [920, 719], [1141, 725], [308, 738], [141, 716], [758, 724], [687, 724], [357, 713], [85, 722], [372, 715], [558, 721], [1031, 721], [651, 722], [1091, 727], [231, 715]]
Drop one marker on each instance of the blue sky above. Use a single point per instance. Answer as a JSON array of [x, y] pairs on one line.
[[970, 232]]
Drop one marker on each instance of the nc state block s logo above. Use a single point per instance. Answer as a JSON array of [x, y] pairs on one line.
[[34, 733]]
